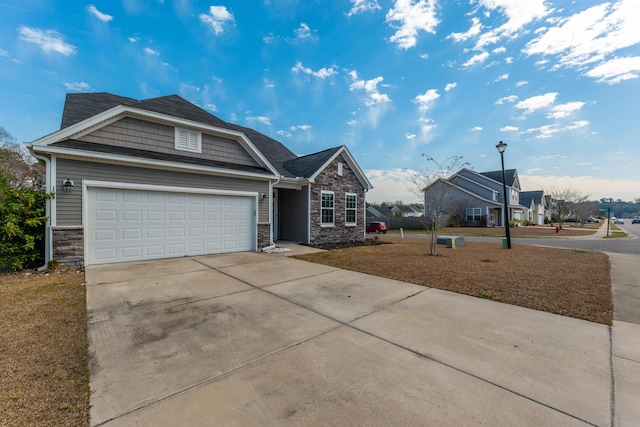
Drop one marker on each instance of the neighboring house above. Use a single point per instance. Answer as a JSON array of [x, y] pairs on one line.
[[535, 202], [476, 198], [161, 177], [408, 210], [378, 213]]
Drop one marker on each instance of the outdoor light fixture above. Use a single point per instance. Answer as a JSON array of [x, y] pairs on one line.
[[263, 195], [67, 185], [501, 148]]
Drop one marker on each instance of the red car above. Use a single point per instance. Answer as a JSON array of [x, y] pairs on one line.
[[377, 227]]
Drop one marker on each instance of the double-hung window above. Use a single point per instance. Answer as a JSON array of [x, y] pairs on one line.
[[351, 208], [327, 213], [473, 214], [188, 140]]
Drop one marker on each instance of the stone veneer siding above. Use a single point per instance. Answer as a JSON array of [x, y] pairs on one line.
[[68, 245], [264, 235], [329, 180]]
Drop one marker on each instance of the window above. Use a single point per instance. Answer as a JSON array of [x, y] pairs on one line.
[[351, 208], [188, 140], [473, 214], [327, 211], [340, 172], [495, 196]]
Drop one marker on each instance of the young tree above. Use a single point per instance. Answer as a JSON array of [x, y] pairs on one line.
[[431, 185], [569, 201], [16, 164]]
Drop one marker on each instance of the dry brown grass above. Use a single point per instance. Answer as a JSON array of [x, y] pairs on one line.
[[43, 350], [567, 282], [568, 230]]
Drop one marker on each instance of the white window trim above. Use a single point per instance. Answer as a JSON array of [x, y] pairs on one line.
[[473, 214], [354, 209], [333, 209], [189, 134], [340, 169]]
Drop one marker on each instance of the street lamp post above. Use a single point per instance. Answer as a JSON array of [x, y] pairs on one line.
[[501, 148]]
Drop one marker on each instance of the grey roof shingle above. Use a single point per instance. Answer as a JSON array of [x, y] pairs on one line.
[[509, 174], [81, 106], [306, 166]]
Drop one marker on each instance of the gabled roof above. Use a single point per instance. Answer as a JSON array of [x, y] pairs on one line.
[[306, 166], [83, 111], [527, 196], [510, 175]]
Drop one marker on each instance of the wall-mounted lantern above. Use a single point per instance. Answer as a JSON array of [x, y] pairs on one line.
[[67, 185]]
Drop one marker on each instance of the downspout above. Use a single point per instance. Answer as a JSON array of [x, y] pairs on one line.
[[272, 245], [48, 244]]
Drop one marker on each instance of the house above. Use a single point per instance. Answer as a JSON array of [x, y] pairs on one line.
[[378, 213], [161, 177], [534, 201], [475, 198]]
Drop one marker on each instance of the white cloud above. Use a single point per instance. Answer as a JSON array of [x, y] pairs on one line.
[[300, 127], [547, 131], [519, 13], [133, 40], [211, 107], [534, 103], [48, 40], [616, 70], [425, 101], [351, 122], [424, 56], [508, 60], [413, 16], [304, 33], [450, 86], [322, 73], [476, 26], [588, 38], [501, 49], [77, 86], [370, 87], [508, 129], [259, 119], [476, 129], [101, 16], [391, 184], [283, 133], [564, 110], [522, 83], [360, 6], [597, 188], [151, 52], [476, 59], [4, 53], [218, 18], [502, 77], [410, 136], [510, 98]]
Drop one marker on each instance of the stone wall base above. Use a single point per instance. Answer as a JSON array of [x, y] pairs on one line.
[[68, 245], [264, 235]]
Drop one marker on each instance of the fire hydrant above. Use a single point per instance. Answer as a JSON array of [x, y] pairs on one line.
[[557, 229]]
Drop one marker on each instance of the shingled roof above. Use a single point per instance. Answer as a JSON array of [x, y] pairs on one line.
[[81, 106], [509, 174]]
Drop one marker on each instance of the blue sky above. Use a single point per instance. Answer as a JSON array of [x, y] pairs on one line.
[[558, 81]]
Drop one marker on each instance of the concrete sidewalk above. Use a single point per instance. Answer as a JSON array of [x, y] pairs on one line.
[[263, 339]]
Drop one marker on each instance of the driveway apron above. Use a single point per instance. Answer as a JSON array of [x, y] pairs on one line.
[[263, 339]]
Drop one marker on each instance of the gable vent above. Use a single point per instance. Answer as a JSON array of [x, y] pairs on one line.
[[188, 140]]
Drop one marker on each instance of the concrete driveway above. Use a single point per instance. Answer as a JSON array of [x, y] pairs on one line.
[[263, 339]]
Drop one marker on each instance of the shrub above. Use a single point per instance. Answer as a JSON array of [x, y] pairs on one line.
[[22, 220]]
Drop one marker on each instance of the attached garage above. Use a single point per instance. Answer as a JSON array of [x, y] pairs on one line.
[[128, 224]]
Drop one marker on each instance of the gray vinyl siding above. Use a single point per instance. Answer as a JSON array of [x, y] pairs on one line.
[[69, 205], [157, 137], [294, 214], [474, 187]]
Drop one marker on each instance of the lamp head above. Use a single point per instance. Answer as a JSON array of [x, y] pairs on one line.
[[501, 147]]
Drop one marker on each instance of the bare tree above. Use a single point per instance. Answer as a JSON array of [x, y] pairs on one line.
[[568, 202], [17, 165], [432, 186]]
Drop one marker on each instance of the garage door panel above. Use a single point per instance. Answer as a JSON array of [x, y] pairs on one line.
[[126, 225]]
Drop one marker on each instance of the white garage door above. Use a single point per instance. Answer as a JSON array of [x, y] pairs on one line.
[[129, 225]]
